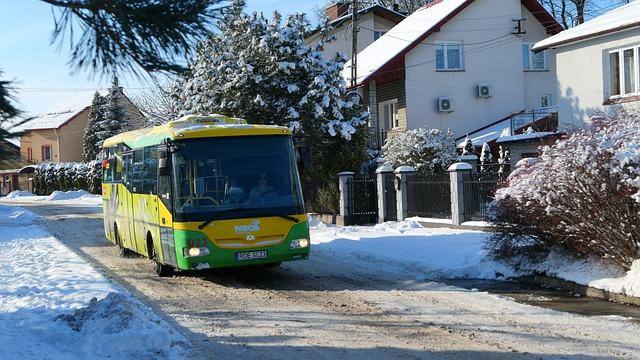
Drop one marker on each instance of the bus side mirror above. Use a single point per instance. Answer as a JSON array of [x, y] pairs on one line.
[[163, 164]]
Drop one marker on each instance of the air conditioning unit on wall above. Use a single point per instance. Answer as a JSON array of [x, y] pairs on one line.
[[484, 91], [445, 104]]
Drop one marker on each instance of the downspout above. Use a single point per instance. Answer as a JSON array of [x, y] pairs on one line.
[[55, 131]]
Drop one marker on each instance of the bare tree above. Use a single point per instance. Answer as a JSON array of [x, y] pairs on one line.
[[157, 102], [575, 12]]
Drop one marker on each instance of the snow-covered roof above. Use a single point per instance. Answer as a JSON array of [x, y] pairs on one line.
[[489, 134], [622, 18], [525, 136], [58, 114], [420, 25], [402, 37]]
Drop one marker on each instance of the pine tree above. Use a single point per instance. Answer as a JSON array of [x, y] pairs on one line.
[[116, 116], [486, 158], [96, 118], [467, 147], [263, 71]]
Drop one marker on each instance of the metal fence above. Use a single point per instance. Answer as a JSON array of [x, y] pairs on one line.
[[391, 200], [363, 201], [429, 197], [479, 192]]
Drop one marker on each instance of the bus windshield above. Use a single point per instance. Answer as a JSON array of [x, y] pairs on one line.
[[236, 177]]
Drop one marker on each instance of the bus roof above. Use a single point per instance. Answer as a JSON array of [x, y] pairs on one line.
[[192, 127]]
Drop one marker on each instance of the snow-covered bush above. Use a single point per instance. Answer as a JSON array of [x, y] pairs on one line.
[[50, 177], [426, 150], [581, 197], [486, 159]]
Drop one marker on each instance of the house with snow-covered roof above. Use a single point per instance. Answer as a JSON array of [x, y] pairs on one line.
[[57, 135], [464, 65], [373, 22], [597, 65]]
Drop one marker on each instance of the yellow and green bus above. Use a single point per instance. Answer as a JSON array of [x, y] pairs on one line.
[[205, 192]]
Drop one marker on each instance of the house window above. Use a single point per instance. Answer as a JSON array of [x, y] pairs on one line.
[[46, 153], [623, 71], [388, 111], [29, 155], [448, 56], [533, 61]]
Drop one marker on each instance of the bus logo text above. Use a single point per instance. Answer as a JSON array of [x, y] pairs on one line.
[[253, 227]]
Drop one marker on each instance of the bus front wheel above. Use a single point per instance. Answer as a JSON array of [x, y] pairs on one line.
[[161, 270], [122, 251]]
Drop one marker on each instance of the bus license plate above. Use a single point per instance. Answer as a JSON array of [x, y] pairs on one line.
[[251, 255]]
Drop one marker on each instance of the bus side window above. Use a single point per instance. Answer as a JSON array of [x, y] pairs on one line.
[[137, 175], [117, 164], [150, 170]]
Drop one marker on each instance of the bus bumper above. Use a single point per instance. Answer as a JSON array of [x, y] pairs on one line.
[[222, 258]]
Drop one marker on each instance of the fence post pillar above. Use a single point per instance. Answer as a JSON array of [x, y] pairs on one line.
[[382, 173], [402, 173], [456, 173], [471, 160], [343, 180]]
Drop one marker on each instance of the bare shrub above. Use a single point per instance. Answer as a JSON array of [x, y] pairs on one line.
[[581, 198]]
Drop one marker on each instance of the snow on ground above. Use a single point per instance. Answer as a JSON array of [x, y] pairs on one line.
[[447, 253], [79, 197], [54, 305], [436, 253]]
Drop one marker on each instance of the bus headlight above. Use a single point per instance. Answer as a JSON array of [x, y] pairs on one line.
[[195, 251], [299, 243]]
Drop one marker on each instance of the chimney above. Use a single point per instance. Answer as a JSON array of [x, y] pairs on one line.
[[337, 10]]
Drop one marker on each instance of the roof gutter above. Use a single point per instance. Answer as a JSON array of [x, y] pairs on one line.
[[55, 131], [586, 37]]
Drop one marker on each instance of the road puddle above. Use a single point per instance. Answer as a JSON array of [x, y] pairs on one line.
[[551, 298]]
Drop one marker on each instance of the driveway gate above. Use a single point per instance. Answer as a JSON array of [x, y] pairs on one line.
[[363, 201]]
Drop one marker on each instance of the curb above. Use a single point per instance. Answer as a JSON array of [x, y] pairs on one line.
[[584, 290]]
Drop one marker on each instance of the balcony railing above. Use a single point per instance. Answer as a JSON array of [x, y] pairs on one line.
[[377, 138], [542, 119]]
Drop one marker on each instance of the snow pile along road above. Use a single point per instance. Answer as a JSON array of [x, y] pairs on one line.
[[79, 197], [450, 254], [49, 305]]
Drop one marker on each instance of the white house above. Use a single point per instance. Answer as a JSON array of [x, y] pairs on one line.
[[464, 65], [373, 22], [597, 65]]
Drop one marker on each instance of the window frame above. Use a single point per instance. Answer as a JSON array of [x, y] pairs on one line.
[[446, 44], [622, 72], [529, 66], [395, 122], [42, 150]]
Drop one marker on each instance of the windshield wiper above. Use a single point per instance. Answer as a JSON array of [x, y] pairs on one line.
[[217, 216], [290, 218]]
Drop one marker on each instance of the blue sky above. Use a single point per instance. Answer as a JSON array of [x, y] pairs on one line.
[[41, 71]]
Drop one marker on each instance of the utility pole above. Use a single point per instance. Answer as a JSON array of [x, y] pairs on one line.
[[354, 43]]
